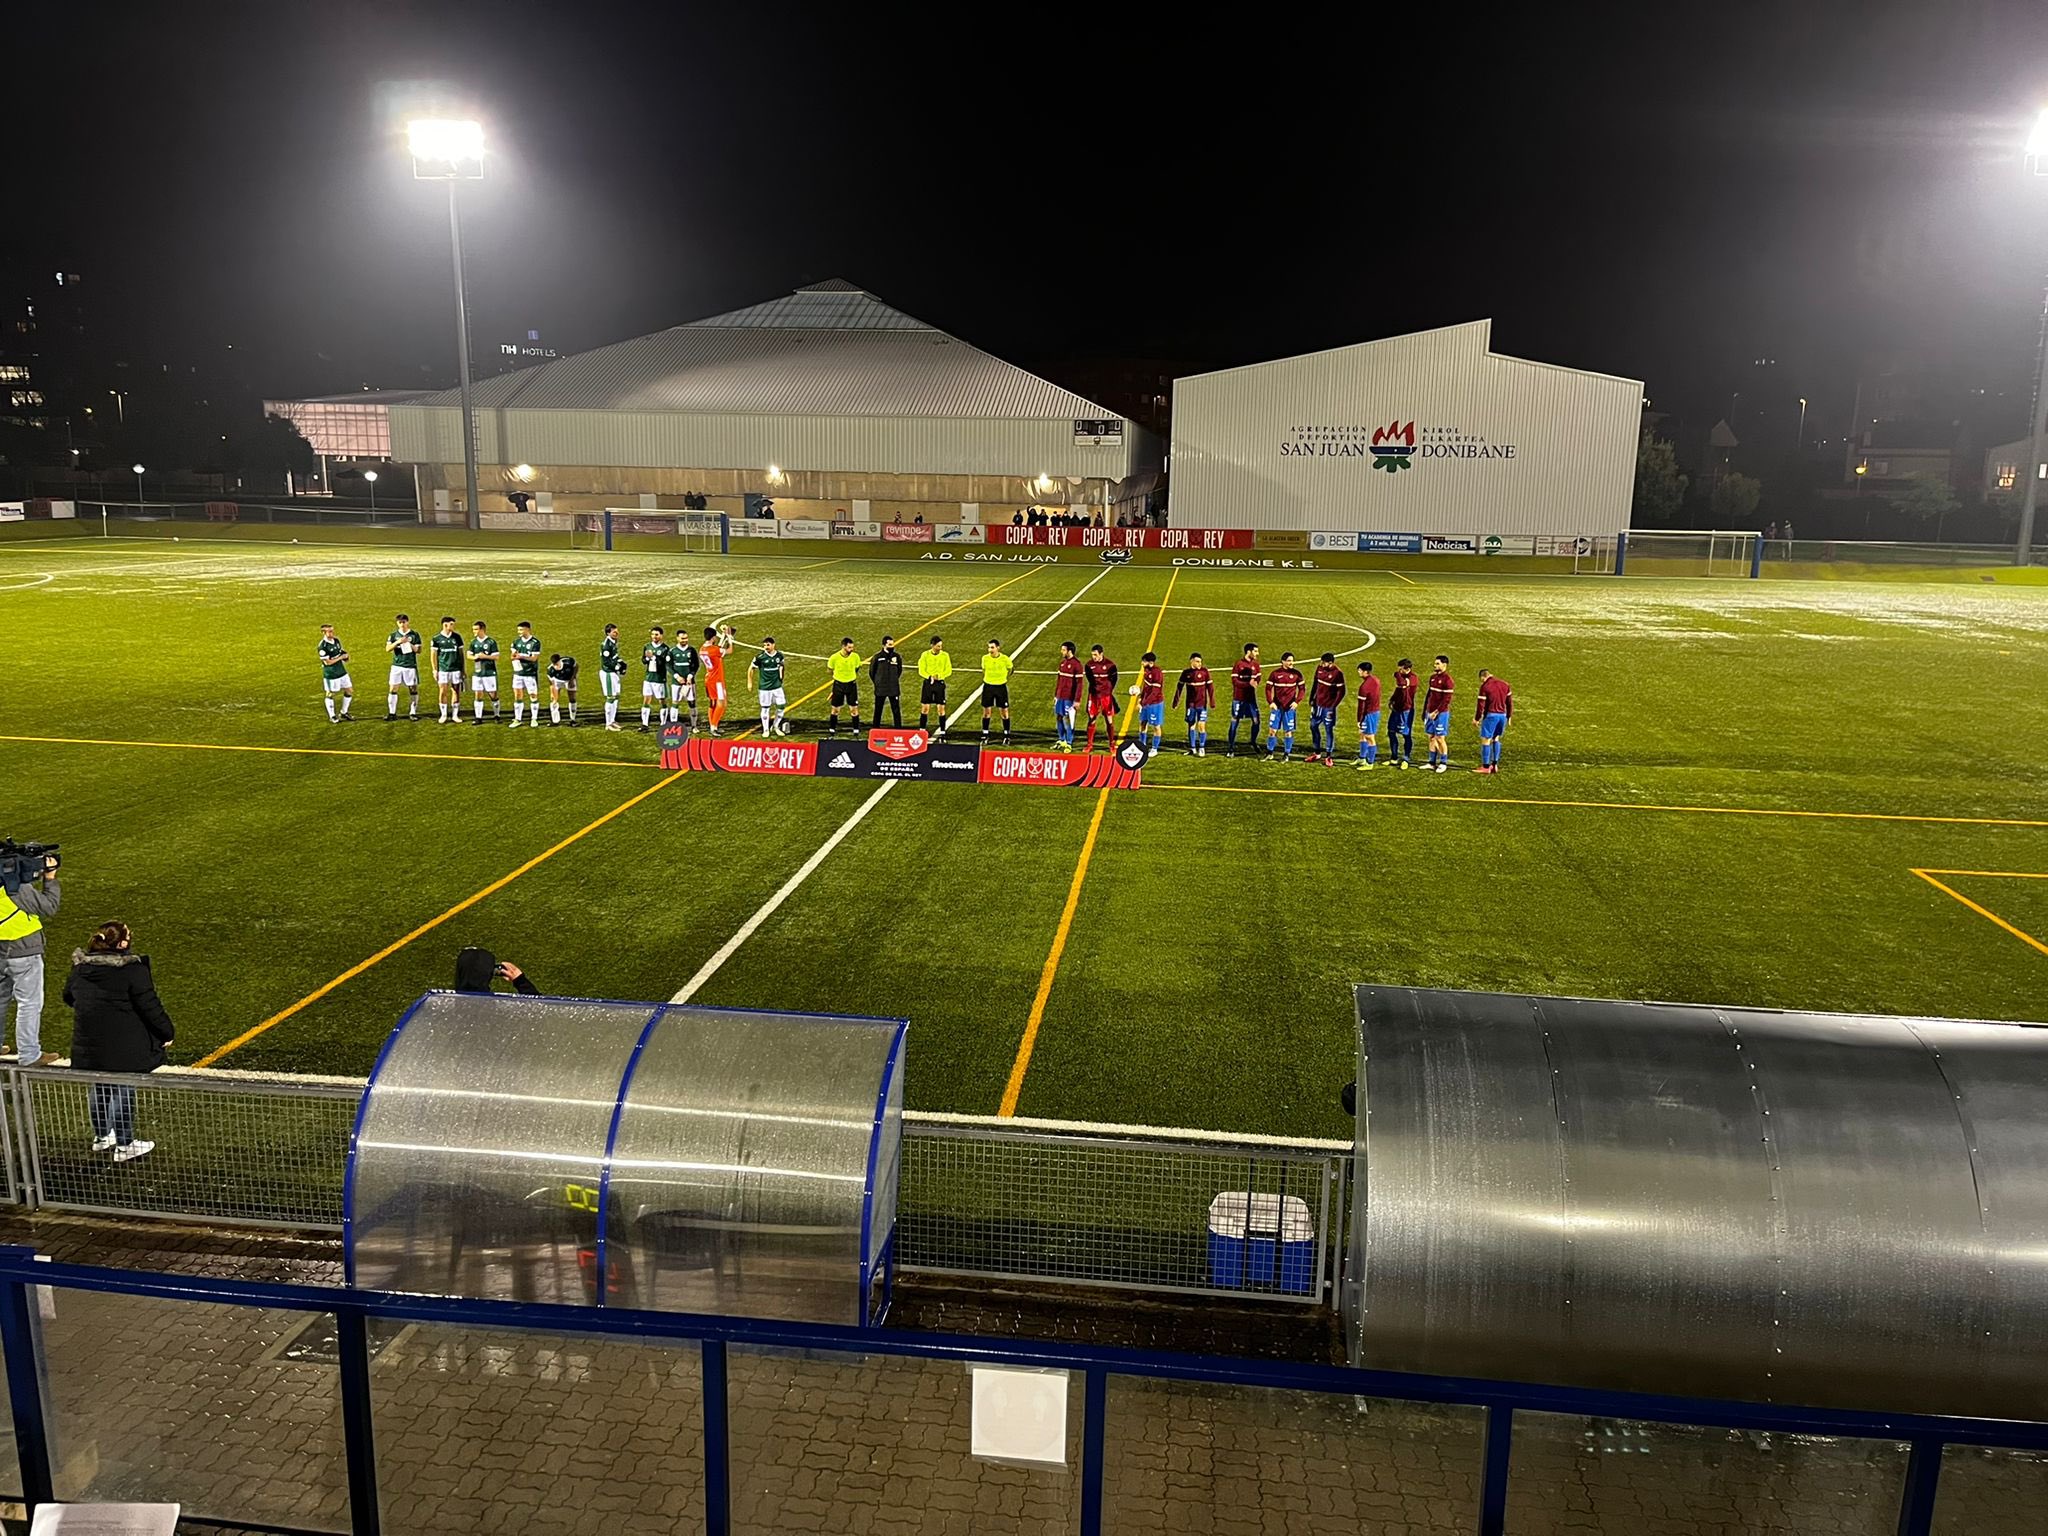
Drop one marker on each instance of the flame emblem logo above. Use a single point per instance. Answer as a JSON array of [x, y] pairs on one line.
[[1393, 447]]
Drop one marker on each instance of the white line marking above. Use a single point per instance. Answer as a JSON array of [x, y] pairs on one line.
[[711, 967], [22, 586]]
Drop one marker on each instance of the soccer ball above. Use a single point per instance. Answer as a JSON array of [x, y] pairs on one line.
[[543, 574], [1134, 690]]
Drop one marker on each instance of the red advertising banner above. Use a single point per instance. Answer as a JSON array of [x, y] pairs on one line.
[[906, 533], [905, 754], [707, 754], [1122, 538], [1083, 770]]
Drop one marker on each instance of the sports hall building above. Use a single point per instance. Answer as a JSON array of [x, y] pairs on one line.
[[827, 401]]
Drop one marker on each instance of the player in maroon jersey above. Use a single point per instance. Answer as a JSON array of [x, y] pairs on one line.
[[1150, 692], [1436, 714], [1070, 683], [1194, 681], [1401, 716], [1496, 709], [1244, 699], [1284, 686], [1101, 697], [1326, 692], [1368, 717]]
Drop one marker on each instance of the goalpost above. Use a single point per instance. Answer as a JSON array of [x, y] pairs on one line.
[[697, 533], [1689, 552]]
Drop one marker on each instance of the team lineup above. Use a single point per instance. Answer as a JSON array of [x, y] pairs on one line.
[[682, 678]]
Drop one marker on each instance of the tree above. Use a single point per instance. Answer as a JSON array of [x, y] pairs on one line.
[[265, 452], [1660, 488], [1734, 501], [1925, 501]]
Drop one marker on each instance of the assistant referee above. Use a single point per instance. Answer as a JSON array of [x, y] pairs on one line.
[[995, 689], [933, 667], [845, 665]]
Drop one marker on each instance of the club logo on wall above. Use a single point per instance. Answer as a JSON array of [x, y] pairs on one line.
[[1393, 447]]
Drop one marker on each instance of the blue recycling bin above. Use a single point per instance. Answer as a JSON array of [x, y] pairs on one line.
[[1261, 1243]]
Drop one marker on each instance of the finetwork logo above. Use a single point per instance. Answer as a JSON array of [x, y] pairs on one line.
[[1393, 448]]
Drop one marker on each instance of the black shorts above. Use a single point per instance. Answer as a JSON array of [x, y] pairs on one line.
[[845, 693], [995, 695], [933, 692]]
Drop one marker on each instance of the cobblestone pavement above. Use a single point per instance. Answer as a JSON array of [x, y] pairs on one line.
[[236, 1414]]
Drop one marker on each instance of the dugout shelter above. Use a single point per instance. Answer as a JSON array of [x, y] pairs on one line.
[[645, 1155]]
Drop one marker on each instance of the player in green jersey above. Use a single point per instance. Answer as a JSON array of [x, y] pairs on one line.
[[995, 689], [525, 672], [448, 670], [682, 678], [404, 644], [654, 662], [483, 666], [334, 683], [561, 680], [611, 670], [767, 669]]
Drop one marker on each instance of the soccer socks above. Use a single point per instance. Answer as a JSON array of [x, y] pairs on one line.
[[519, 709], [479, 701], [767, 723], [390, 703], [1368, 750], [644, 713], [611, 711], [330, 706]]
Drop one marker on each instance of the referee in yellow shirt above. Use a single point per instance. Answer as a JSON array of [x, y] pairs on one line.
[[934, 667], [845, 666], [995, 689]]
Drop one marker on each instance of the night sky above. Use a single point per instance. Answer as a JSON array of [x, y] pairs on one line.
[[1658, 191]]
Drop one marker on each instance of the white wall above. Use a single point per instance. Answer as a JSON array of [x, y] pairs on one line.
[[1502, 445]]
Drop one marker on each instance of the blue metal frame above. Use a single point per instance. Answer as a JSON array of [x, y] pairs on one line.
[[355, 1131], [611, 1145], [867, 1194], [1928, 1434]]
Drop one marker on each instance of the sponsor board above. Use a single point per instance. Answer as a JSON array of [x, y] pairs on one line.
[[13, 512], [961, 533], [1280, 538], [755, 528], [528, 522], [1563, 544], [803, 528], [1508, 544], [910, 755], [1390, 543], [1122, 538], [906, 533], [1449, 544], [1331, 539], [868, 531]]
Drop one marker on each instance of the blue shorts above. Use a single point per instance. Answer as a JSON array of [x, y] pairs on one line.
[[1151, 716], [1063, 709], [1321, 715], [1402, 722], [1369, 725], [1491, 726], [1199, 715], [1244, 709], [1437, 723], [1283, 720]]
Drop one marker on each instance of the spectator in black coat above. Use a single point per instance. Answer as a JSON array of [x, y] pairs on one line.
[[476, 969], [120, 1026], [885, 672]]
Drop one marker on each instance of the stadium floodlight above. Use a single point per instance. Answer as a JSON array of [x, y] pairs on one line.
[[522, 473], [775, 474], [452, 150], [2037, 440], [370, 479], [138, 487]]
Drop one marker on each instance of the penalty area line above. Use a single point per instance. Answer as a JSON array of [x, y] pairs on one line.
[[1982, 911]]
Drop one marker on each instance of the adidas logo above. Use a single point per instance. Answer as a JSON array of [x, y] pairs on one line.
[[843, 760]]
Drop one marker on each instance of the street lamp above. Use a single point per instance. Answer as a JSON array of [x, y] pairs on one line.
[[452, 150], [2023, 551], [1800, 441], [370, 477]]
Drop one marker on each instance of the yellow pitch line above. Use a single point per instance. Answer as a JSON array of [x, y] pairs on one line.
[[1015, 1086], [499, 884], [1989, 874], [818, 565], [428, 757], [1602, 805], [1399, 577], [2019, 933]]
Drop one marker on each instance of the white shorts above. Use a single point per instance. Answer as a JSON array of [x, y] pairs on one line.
[[561, 685], [774, 696], [451, 679], [339, 684], [687, 692], [405, 677], [521, 683], [608, 684], [486, 685], [653, 688]]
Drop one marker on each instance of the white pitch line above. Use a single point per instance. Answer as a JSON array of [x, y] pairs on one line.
[[768, 908]]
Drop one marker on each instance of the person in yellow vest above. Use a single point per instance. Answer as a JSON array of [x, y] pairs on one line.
[[995, 689], [845, 664], [934, 667], [26, 898]]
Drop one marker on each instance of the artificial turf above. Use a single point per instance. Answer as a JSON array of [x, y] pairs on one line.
[[1226, 906]]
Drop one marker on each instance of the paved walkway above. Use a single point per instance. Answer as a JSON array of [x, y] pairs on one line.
[[236, 1414]]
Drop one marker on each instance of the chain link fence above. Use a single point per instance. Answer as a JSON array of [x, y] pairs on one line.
[[1129, 1208]]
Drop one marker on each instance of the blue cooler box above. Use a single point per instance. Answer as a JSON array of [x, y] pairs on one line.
[[1261, 1243]]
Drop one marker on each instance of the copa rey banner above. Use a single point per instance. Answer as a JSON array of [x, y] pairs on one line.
[[903, 754]]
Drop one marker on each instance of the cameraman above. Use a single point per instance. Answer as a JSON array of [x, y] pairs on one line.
[[29, 892]]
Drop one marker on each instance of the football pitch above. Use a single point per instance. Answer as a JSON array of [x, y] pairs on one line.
[[1781, 794]]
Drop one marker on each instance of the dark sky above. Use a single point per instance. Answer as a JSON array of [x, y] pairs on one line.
[[1657, 191]]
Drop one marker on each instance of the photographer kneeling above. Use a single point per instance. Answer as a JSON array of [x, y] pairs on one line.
[[29, 892], [121, 1027]]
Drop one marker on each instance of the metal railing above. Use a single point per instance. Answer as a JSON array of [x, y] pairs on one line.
[[292, 1408], [1118, 1206]]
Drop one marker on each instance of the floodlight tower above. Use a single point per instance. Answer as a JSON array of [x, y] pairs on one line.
[[452, 150], [2023, 551]]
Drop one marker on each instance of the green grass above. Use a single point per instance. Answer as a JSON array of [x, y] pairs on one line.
[[1205, 979]]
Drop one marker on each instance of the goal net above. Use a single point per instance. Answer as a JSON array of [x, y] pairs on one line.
[[651, 528], [1689, 552]]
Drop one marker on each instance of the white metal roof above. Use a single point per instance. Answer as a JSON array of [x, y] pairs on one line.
[[828, 350]]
